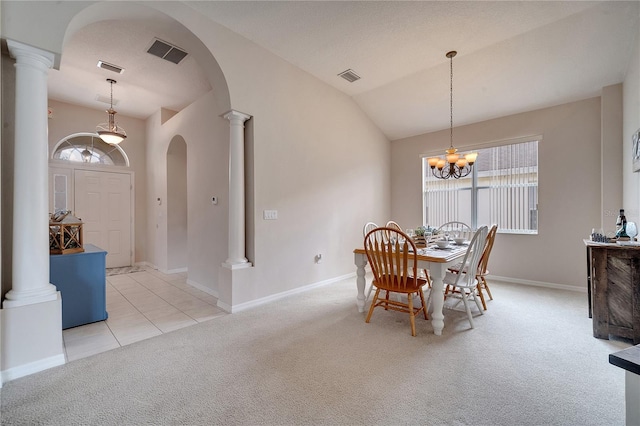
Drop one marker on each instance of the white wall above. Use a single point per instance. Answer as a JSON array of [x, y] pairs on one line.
[[206, 135], [317, 159], [631, 96], [569, 188]]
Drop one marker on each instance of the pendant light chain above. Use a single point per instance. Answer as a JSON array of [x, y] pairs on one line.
[[451, 101], [111, 101]]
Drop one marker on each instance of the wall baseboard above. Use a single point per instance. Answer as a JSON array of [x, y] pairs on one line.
[[202, 288], [252, 304], [537, 283], [31, 368], [146, 264], [176, 271]]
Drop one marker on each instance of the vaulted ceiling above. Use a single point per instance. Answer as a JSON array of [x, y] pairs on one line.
[[513, 56]]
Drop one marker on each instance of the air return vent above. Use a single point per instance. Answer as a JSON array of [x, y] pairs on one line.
[[167, 51], [349, 75], [110, 67]]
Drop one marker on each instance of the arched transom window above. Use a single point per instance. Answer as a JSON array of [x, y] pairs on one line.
[[89, 148]]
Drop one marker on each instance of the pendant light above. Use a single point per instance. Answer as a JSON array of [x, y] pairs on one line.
[[453, 165], [110, 132], [86, 155]]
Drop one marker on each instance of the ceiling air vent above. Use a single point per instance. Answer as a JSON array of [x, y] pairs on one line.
[[349, 75], [167, 51], [110, 67]]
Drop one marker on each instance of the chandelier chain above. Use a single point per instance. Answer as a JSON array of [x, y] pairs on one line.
[[451, 101]]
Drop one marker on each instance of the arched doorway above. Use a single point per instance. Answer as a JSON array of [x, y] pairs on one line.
[[177, 202]]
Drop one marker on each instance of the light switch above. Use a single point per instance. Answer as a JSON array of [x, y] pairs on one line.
[[270, 214]]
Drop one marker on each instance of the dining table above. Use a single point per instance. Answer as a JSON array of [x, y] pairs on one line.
[[432, 258]]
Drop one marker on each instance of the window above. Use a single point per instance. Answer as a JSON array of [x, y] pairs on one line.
[[89, 148], [502, 189]]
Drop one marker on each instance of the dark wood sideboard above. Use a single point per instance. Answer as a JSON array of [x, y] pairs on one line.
[[613, 280]]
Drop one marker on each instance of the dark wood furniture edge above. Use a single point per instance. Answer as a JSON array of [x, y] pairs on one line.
[[627, 359]]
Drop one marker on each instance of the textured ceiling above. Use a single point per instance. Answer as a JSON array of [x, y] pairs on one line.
[[513, 56]]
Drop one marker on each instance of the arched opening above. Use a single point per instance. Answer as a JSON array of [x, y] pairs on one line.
[[177, 206]]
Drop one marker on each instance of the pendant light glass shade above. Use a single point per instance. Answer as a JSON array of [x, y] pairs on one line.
[[110, 132]]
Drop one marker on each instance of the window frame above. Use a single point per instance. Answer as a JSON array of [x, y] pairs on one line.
[[59, 146], [474, 187]]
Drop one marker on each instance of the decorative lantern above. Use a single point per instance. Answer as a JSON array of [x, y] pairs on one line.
[[65, 233]]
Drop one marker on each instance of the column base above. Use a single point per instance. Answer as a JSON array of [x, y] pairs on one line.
[[235, 264], [13, 298], [31, 338]]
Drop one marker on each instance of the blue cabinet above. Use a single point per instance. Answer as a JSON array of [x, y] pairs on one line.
[[81, 279]]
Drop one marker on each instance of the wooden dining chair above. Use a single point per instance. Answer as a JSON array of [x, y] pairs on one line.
[[465, 284], [394, 225], [369, 226], [456, 229], [482, 271], [422, 273], [483, 267], [393, 259]]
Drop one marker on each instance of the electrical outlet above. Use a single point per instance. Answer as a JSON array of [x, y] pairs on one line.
[[270, 214]]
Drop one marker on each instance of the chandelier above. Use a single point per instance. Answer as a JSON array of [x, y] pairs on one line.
[[110, 132], [453, 165]]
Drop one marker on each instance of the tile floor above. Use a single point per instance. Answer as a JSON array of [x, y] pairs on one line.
[[141, 305]]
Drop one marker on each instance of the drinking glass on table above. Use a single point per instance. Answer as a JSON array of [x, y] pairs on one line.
[[632, 230]]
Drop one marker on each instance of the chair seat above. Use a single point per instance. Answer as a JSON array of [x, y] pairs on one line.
[[393, 284], [458, 267], [451, 277]]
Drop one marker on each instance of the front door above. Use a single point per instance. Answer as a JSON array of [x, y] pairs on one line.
[[103, 202]]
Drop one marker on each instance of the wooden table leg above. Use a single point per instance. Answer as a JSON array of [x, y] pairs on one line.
[[361, 262], [437, 271]]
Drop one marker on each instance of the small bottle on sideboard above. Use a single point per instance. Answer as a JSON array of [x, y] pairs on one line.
[[621, 226]]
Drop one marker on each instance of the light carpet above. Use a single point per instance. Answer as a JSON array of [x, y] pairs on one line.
[[310, 359]]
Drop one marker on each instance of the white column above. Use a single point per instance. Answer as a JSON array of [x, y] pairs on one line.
[[30, 283], [236, 190]]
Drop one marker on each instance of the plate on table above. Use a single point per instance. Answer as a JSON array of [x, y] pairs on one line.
[[443, 248]]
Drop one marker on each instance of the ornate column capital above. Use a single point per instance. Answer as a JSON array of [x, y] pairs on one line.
[[236, 116], [23, 53]]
